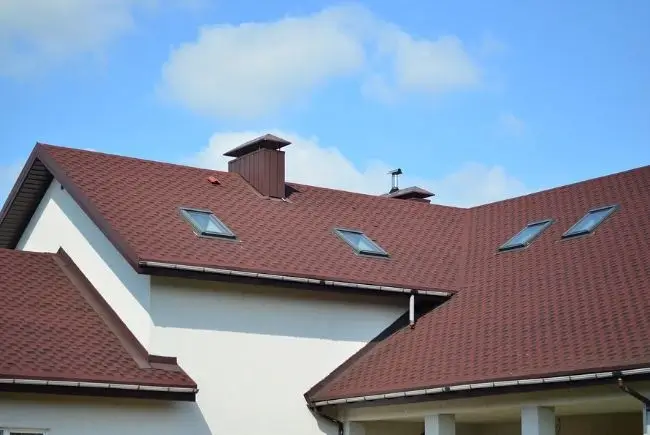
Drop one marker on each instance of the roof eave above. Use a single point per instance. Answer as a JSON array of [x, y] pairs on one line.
[[488, 388], [230, 275], [23, 199], [30, 180], [98, 389]]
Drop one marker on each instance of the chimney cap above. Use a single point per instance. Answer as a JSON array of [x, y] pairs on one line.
[[268, 141], [413, 192]]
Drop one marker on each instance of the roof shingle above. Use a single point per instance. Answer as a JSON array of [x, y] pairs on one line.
[[50, 331], [558, 307], [555, 307], [140, 201]]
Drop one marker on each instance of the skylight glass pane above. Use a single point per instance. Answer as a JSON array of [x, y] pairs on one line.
[[590, 221], [525, 236], [361, 243], [206, 223]]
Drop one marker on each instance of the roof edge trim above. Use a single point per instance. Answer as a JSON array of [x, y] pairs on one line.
[[485, 386], [103, 309], [11, 196], [294, 279], [111, 385], [87, 206]]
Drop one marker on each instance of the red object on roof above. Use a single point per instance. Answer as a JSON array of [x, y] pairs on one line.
[[558, 307], [55, 327]]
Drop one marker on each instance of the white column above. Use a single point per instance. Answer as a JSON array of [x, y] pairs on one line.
[[353, 428], [646, 420], [537, 420], [440, 424]]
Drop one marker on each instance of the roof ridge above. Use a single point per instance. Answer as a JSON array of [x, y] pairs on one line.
[[463, 256], [564, 186], [377, 196], [113, 321], [312, 186], [291, 183], [121, 156]]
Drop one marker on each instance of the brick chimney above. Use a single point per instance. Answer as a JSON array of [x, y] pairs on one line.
[[261, 163]]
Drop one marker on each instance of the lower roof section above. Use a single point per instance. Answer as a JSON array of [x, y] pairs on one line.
[[59, 335], [561, 309]]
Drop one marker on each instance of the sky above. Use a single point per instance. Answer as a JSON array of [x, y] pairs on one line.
[[476, 101]]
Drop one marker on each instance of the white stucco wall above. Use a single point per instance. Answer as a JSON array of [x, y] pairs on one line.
[[255, 351], [60, 222], [99, 416]]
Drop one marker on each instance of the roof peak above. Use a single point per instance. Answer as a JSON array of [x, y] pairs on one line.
[[216, 171]]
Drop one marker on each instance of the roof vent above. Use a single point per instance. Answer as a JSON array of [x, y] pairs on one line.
[[394, 178], [413, 193], [261, 163]]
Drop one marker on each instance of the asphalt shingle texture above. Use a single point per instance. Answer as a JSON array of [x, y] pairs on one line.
[[141, 200], [556, 307], [49, 332]]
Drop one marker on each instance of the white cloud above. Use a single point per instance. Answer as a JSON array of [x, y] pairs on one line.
[[429, 66], [512, 125], [35, 34], [253, 68], [38, 34], [308, 162]]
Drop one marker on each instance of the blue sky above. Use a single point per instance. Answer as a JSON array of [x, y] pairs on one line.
[[475, 100]]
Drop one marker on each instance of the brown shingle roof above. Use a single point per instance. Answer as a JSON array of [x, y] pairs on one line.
[[558, 307], [55, 327], [140, 200]]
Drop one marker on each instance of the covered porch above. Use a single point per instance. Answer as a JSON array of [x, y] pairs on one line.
[[598, 410]]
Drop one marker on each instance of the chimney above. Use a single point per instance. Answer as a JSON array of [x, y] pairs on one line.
[[394, 176], [413, 193], [261, 163]]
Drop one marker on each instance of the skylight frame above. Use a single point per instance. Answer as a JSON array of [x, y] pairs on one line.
[[186, 214], [571, 232], [378, 252], [543, 226]]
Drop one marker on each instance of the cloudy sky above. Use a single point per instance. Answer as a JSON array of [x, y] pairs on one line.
[[474, 100]]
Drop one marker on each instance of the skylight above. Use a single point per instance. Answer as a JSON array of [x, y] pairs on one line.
[[360, 242], [524, 237], [205, 223], [590, 221]]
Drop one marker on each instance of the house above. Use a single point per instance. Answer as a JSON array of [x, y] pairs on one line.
[[142, 297]]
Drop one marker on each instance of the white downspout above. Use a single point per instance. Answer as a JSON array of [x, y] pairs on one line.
[[412, 310]]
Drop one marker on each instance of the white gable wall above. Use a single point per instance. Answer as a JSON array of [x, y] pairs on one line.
[[60, 223], [254, 351]]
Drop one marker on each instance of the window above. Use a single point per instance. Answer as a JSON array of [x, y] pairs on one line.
[[361, 243], [524, 237], [590, 221], [205, 223]]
